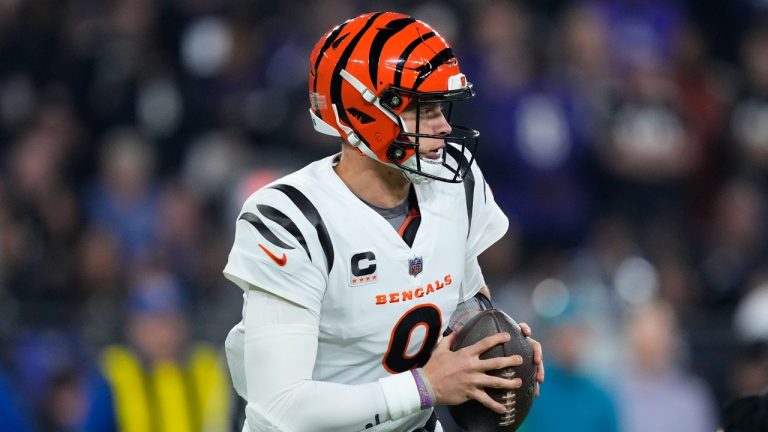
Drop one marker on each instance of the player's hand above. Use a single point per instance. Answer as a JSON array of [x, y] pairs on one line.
[[457, 376], [538, 356]]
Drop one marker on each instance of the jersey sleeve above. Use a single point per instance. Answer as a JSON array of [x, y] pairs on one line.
[[473, 280], [487, 222], [273, 249]]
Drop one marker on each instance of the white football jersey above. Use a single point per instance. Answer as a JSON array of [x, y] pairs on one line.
[[382, 303]]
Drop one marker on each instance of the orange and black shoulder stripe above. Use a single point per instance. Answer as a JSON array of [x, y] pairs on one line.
[[313, 216], [307, 209]]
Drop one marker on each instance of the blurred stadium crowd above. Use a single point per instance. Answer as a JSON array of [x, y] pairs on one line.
[[627, 140]]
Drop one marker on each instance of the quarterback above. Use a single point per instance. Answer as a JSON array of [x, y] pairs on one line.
[[354, 267]]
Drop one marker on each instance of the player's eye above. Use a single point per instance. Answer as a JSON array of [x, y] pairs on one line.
[[431, 110]]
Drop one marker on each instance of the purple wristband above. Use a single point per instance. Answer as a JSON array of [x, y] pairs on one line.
[[424, 396]]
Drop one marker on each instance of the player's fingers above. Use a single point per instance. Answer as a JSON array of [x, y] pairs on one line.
[[488, 342], [445, 343], [538, 355], [491, 381], [501, 362], [538, 359], [526, 329], [540, 372], [482, 397]]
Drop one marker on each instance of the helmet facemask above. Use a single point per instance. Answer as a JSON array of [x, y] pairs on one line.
[[460, 144]]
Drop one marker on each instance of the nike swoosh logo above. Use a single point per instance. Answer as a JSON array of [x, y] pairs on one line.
[[279, 261]]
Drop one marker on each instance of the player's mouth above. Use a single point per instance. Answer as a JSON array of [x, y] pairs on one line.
[[433, 156]]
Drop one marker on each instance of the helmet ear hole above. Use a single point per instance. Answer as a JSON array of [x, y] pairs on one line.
[[391, 99], [396, 152]]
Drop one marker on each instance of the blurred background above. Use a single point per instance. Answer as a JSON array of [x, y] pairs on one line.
[[627, 140]]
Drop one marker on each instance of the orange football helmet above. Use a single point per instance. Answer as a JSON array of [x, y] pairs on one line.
[[366, 71]]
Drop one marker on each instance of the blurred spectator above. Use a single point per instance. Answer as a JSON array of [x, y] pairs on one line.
[[749, 126], [655, 392], [751, 316], [13, 414], [42, 217], [647, 152], [123, 199], [705, 89], [51, 365], [653, 145], [65, 404], [100, 276], [533, 133], [189, 244], [180, 223], [583, 59], [214, 163], [749, 374], [580, 402], [641, 30], [746, 414], [749, 371], [732, 245], [161, 379]]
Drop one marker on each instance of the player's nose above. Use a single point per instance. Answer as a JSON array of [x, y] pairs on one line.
[[441, 126]]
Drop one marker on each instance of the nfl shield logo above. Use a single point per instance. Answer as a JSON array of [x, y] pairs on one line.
[[415, 266]]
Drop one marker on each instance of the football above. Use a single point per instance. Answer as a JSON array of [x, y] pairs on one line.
[[472, 415]]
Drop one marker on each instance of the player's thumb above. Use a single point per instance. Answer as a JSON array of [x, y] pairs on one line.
[[444, 344]]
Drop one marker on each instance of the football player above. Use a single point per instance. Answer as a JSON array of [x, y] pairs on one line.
[[353, 266]]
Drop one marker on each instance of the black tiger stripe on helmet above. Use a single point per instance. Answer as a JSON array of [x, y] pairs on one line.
[[385, 34]]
